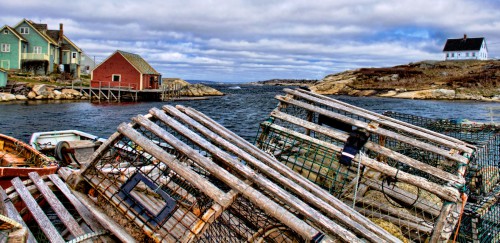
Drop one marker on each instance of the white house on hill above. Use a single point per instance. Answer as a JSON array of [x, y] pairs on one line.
[[466, 49]]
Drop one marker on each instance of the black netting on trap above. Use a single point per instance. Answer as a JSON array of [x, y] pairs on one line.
[[243, 221], [318, 163], [483, 172]]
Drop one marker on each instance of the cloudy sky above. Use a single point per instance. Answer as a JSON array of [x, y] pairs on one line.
[[238, 40]]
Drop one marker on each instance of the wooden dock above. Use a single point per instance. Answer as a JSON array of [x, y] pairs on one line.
[[121, 93]]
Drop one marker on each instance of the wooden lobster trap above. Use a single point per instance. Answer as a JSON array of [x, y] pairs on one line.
[[178, 176], [483, 173], [405, 178], [481, 219]]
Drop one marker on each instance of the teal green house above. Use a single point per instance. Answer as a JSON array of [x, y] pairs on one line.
[[3, 77], [32, 47]]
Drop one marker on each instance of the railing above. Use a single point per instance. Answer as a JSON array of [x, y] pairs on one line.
[[111, 85], [35, 56], [109, 90]]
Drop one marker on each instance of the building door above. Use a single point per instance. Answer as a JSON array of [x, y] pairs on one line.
[[5, 64], [153, 82]]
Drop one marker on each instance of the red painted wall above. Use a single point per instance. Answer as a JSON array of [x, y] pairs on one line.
[[116, 64]]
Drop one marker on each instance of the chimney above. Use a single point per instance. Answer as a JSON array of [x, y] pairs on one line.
[[60, 40], [465, 36]]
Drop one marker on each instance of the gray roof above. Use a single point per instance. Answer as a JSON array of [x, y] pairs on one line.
[[139, 63]]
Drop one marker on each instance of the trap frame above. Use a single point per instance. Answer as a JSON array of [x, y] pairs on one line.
[[180, 177], [407, 179]]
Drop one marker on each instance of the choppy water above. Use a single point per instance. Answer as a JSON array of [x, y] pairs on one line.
[[241, 110]]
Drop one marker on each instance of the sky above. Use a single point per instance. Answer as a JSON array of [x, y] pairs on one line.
[[244, 41]]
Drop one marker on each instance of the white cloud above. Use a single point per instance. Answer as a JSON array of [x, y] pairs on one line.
[[245, 40]]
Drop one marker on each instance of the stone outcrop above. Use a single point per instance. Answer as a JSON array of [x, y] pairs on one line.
[[464, 80], [197, 90], [44, 92], [191, 90], [438, 94], [21, 97], [7, 97], [40, 89]]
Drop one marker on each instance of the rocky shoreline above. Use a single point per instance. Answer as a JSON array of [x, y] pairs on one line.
[[438, 80], [30, 91], [41, 92]]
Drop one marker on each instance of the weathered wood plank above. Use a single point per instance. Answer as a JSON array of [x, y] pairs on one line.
[[406, 197], [84, 212], [45, 225], [371, 146], [380, 131], [103, 219], [396, 221], [309, 197], [258, 198], [392, 122], [11, 212], [441, 222], [61, 211]]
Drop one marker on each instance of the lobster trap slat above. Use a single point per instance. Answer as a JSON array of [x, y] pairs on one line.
[[179, 176], [405, 178]]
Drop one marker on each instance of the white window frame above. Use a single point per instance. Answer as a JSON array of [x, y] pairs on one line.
[[24, 30], [116, 75], [74, 55], [6, 32], [37, 49], [5, 47]]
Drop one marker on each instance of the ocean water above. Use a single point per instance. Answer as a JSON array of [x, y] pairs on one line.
[[241, 110]]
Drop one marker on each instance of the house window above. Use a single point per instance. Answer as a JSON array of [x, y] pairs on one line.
[[467, 54], [24, 30], [73, 55], [5, 47], [452, 54], [37, 49], [447, 54], [117, 77], [6, 32], [473, 54]]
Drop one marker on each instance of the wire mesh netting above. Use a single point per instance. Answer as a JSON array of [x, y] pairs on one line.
[[481, 219], [483, 172], [309, 134]]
